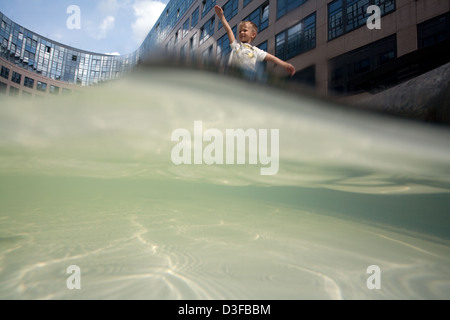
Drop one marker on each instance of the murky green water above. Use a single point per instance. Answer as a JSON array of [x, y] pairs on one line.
[[89, 181]]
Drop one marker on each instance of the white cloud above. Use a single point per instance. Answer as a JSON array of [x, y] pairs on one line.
[[108, 6], [147, 13], [106, 26]]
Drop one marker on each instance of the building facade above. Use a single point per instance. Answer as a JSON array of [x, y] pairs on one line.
[[32, 65], [334, 44], [328, 41]]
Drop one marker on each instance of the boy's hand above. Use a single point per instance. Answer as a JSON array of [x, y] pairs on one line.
[[219, 11], [289, 68]]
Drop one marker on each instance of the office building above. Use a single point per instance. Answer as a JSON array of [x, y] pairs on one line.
[[32, 65], [337, 46], [328, 41]]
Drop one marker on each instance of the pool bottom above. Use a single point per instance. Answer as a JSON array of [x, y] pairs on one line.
[[151, 239]]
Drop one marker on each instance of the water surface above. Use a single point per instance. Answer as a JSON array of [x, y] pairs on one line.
[[88, 180]]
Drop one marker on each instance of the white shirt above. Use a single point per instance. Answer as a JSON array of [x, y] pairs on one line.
[[246, 55]]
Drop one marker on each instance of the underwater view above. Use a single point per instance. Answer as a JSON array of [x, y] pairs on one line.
[[137, 189]]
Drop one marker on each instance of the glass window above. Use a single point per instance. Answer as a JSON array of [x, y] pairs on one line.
[[54, 89], [193, 42], [285, 6], [207, 30], [246, 2], [260, 16], [186, 28], [223, 45], [230, 9], [195, 17], [41, 86], [16, 77], [4, 73], [207, 5], [335, 20], [356, 13], [347, 69], [28, 82], [433, 31], [347, 15], [177, 36], [297, 39]]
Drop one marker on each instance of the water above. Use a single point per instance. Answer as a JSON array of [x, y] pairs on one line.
[[88, 181]]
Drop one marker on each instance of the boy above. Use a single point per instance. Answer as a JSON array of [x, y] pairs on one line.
[[244, 54]]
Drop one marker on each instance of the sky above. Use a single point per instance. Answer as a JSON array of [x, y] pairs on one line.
[[102, 26]]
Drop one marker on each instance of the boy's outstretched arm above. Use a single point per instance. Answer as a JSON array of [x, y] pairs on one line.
[[219, 12], [287, 66]]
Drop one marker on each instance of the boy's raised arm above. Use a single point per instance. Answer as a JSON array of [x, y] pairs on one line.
[[219, 12]]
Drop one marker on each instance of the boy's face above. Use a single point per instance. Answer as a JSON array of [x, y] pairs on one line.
[[246, 33]]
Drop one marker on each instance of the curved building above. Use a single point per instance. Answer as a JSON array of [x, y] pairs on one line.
[[32, 65]]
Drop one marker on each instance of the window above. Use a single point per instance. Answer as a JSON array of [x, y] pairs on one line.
[[285, 6], [177, 36], [433, 31], [193, 46], [347, 69], [28, 82], [207, 30], [4, 73], [335, 24], [263, 46], [207, 5], [230, 9], [195, 18], [41, 86], [185, 28], [306, 76], [74, 58], [246, 2], [297, 39], [223, 45], [260, 16], [347, 15], [16, 77], [54, 90]]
